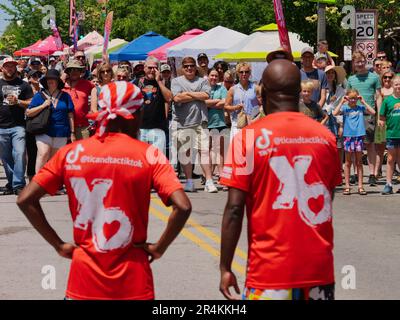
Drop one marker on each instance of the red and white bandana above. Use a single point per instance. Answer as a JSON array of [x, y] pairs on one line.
[[118, 98]]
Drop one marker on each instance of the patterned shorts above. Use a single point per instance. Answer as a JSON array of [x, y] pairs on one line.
[[353, 144], [326, 292]]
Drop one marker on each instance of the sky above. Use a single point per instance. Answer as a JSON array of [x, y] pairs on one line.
[[3, 21]]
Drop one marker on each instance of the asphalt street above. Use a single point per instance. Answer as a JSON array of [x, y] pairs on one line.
[[367, 242]]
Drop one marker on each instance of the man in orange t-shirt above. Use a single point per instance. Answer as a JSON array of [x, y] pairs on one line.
[[80, 90], [284, 169], [108, 178]]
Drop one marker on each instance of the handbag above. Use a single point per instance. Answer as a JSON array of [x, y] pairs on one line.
[[40, 122], [241, 120]]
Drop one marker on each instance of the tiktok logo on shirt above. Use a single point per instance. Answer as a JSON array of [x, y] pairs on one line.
[[313, 200]]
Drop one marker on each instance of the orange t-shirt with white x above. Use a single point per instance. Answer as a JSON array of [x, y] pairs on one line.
[[288, 166], [108, 183]]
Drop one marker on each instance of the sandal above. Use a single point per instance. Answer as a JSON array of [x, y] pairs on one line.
[[362, 192], [346, 191]]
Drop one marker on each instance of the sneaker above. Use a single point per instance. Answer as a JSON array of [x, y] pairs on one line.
[[203, 180], [189, 187], [7, 192], [372, 180], [387, 189], [210, 188], [353, 179], [17, 191]]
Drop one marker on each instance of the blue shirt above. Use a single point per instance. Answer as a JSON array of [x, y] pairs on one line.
[[353, 119], [216, 117], [59, 121], [246, 97]]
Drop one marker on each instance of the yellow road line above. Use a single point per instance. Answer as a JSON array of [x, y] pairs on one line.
[[208, 233], [201, 243]]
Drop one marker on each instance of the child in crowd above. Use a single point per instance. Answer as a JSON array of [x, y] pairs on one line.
[[353, 133], [309, 107], [323, 51], [390, 115]]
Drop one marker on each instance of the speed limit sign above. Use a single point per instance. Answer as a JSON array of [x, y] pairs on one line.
[[366, 34]]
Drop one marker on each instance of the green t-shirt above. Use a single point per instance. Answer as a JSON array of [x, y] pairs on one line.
[[391, 110], [216, 118], [366, 84]]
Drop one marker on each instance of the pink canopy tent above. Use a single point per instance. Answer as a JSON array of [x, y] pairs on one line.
[[91, 39], [42, 48], [161, 52]]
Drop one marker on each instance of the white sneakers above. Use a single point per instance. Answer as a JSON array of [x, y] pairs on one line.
[[210, 187]]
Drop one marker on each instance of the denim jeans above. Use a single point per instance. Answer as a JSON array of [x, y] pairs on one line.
[[155, 137], [12, 153]]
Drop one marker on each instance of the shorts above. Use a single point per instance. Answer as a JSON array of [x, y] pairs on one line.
[[369, 131], [392, 144], [82, 132], [54, 142], [193, 138], [353, 144], [155, 137], [380, 135], [325, 292]]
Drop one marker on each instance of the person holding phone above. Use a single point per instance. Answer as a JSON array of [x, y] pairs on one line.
[[155, 111], [352, 107]]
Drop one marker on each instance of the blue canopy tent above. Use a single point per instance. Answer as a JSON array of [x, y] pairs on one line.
[[138, 48]]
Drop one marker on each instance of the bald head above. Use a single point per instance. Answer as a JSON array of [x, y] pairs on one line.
[[281, 86]]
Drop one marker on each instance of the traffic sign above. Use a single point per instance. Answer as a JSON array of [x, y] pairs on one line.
[[366, 34]]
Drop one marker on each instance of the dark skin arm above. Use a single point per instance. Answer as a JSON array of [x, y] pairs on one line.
[[230, 234], [181, 211], [28, 202]]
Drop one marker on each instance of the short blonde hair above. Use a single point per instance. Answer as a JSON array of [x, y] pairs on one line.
[[241, 65], [396, 78], [350, 91], [358, 55], [307, 85]]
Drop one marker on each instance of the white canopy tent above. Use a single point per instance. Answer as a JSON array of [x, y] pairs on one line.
[[212, 42]]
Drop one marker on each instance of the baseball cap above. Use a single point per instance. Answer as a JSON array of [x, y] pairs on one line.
[[202, 55], [52, 59], [165, 67], [307, 50], [10, 60], [36, 61]]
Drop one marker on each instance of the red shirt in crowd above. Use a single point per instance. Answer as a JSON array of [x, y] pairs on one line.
[[80, 97], [289, 175], [108, 184]]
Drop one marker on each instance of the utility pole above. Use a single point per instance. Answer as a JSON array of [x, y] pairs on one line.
[[321, 31]]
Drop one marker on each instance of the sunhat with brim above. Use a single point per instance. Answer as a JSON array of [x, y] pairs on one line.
[[33, 72], [73, 65], [340, 73], [52, 74], [279, 54]]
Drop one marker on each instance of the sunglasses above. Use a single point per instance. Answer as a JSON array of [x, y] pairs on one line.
[[229, 81], [105, 71], [244, 72], [122, 77], [382, 57], [80, 57], [388, 77], [187, 66], [151, 68]]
